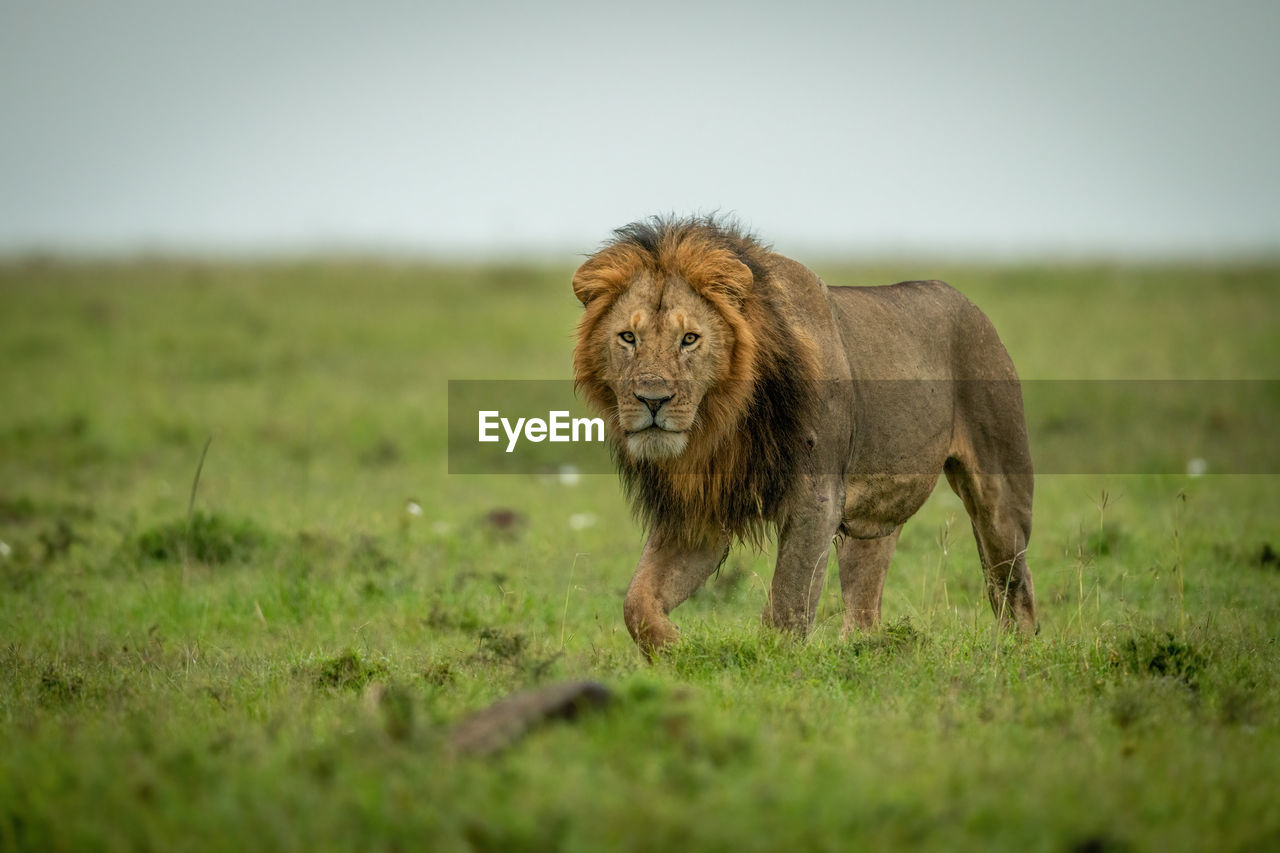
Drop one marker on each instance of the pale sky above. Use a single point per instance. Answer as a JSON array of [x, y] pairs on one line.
[[986, 128]]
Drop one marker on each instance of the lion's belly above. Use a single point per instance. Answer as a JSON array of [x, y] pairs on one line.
[[875, 504]]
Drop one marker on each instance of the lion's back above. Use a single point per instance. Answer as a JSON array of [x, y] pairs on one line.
[[917, 330]]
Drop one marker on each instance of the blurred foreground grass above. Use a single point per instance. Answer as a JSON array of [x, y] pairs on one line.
[[278, 670]]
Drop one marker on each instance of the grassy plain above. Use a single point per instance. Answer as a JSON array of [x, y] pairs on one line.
[[279, 667]]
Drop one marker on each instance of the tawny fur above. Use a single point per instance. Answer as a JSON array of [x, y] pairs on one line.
[[834, 412]]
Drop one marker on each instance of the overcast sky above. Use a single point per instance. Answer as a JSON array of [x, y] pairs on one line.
[[977, 127]]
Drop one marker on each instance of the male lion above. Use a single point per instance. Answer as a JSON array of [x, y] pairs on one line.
[[740, 392]]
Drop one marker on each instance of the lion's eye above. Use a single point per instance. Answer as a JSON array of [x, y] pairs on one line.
[[690, 339], [629, 337]]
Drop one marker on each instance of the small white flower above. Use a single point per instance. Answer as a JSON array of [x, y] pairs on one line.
[[5, 550], [1197, 467], [581, 520], [413, 507], [569, 475]]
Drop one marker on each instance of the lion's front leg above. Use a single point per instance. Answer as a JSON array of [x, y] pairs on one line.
[[863, 566], [666, 576], [804, 541]]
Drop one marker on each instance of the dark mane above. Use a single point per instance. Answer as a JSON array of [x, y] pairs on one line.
[[732, 478], [750, 482], [652, 233]]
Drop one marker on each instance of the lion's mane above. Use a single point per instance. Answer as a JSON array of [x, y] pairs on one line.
[[751, 435]]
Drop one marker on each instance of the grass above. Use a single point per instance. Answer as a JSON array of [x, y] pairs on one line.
[[278, 663]]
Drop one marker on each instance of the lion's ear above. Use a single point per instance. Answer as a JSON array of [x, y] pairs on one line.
[[741, 281], [604, 273], [727, 277], [587, 284]]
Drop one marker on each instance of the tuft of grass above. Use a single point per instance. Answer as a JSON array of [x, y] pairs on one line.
[[896, 636], [497, 645], [349, 671], [698, 655], [1163, 657], [207, 538], [439, 674], [58, 687]]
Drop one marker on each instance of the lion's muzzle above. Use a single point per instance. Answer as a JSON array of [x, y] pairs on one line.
[[653, 403], [652, 390], [652, 431]]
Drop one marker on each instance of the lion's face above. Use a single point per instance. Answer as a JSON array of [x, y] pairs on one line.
[[665, 347]]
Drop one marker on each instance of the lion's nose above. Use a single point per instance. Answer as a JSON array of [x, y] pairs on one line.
[[653, 400]]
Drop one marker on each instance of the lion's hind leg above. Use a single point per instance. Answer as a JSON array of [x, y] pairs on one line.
[[999, 507], [863, 566]]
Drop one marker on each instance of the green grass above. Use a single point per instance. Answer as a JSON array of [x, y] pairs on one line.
[[279, 667]]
